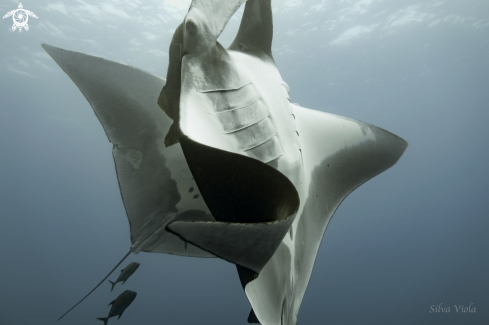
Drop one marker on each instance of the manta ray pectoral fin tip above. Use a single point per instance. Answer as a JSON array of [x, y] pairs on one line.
[[46, 47]]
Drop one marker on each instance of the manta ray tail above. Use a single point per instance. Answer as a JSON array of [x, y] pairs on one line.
[[97, 287], [104, 319], [113, 284]]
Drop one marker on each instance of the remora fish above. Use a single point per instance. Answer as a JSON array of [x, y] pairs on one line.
[[125, 274], [119, 305]]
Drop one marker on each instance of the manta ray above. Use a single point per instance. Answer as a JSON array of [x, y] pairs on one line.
[[216, 161]]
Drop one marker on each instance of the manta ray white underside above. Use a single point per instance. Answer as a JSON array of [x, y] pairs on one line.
[[217, 162]]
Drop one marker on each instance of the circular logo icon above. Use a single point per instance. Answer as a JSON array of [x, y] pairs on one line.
[[20, 17]]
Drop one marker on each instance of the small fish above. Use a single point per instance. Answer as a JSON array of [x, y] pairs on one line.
[[119, 305], [125, 273]]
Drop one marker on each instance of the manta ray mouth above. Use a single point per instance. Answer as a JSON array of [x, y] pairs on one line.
[[253, 204], [237, 188]]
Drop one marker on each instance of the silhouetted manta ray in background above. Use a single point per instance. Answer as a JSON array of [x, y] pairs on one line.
[[226, 166]]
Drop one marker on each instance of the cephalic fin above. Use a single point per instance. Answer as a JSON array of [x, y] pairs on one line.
[[220, 11], [256, 28]]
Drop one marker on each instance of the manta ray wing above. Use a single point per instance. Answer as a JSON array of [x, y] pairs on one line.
[[154, 180], [339, 155]]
